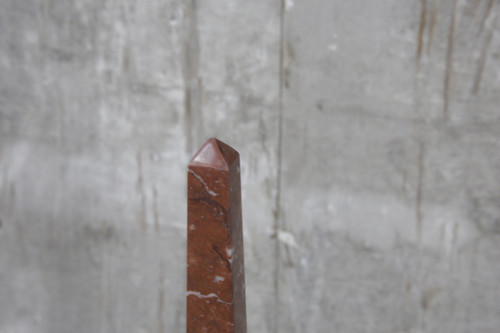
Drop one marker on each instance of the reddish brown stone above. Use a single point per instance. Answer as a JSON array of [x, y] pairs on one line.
[[215, 270]]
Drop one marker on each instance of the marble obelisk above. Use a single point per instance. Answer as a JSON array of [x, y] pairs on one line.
[[215, 267]]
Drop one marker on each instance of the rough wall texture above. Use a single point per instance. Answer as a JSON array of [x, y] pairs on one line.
[[369, 133]]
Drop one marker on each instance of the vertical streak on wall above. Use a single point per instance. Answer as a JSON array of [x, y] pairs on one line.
[[484, 50], [421, 29], [432, 25], [449, 60], [190, 65], [418, 205], [141, 215], [277, 210], [155, 210], [104, 288], [485, 16], [161, 304]]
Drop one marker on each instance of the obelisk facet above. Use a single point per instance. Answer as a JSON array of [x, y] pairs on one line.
[[215, 267]]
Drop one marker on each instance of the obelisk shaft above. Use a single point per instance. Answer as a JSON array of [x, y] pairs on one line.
[[215, 272]]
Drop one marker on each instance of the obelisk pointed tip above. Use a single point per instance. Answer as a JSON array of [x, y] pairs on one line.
[[215, 154]]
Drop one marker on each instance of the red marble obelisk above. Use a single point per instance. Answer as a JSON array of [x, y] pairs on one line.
[[215, 268]]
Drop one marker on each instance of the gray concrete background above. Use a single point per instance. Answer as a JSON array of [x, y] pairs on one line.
[[369, 133]]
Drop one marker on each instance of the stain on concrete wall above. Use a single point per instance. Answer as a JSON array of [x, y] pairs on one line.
[[369, 134]]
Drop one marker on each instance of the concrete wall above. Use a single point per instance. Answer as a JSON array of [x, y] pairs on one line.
[[369, 133]]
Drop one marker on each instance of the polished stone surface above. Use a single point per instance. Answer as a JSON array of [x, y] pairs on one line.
[[215, 271]]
